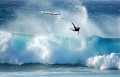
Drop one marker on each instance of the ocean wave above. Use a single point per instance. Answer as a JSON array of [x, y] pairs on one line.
[[19, 48]]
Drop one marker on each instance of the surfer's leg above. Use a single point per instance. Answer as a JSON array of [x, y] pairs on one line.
[[74, 26], [78, 32]]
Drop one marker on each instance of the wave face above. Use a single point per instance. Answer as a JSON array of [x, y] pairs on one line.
[[27, 36]]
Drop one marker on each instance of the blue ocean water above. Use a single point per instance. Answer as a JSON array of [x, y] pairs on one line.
[[35, 44]]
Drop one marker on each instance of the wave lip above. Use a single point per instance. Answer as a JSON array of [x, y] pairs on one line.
[[111, 61]]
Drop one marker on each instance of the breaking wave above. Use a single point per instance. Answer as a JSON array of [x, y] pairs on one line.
[[17, 48]]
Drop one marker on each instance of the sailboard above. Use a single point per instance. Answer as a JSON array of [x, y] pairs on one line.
[[53, 13]]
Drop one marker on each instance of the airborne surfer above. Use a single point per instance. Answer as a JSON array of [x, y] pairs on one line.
[[75, 28]]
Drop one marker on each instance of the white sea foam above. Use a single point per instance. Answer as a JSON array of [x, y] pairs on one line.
[[111, 61]]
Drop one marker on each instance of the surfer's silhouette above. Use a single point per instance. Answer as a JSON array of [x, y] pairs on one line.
[[75, 28]]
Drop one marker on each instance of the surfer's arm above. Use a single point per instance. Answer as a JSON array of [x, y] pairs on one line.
[[72, 29]]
